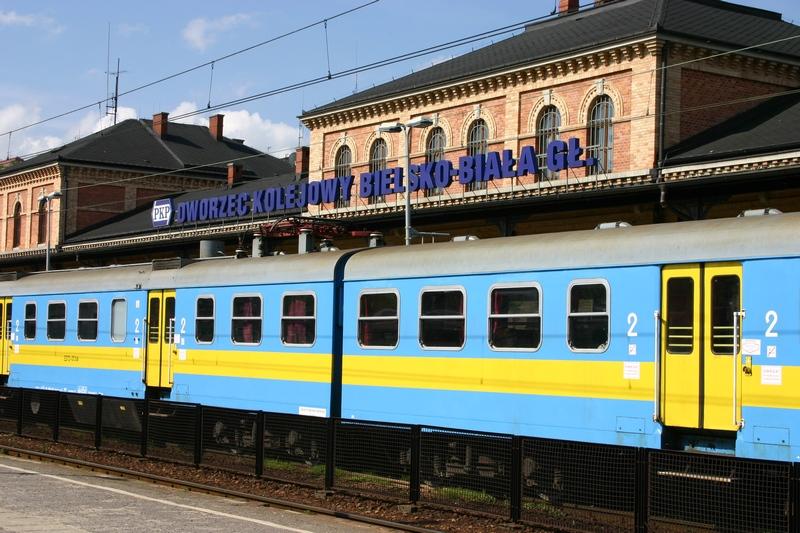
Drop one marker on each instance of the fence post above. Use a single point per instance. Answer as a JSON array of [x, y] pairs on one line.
[[259, 443], [794, 498], [145, 423], [98, 424], [330, 454], [516, 478], [413, 485], [20, 404], [198, 435], [642, 482], [57, 418]]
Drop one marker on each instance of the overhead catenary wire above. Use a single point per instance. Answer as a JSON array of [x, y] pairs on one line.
[[192, 69], [422, 52]]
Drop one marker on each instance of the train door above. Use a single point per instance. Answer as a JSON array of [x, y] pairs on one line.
[[700, 348], [5, 336], [161, 347]]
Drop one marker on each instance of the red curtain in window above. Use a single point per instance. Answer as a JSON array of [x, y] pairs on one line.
[[296, 330]]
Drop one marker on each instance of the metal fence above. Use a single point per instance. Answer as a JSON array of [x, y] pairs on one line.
[[550, 483]]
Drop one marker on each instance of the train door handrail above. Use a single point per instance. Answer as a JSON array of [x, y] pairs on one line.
[[657, 373], [738, 317]]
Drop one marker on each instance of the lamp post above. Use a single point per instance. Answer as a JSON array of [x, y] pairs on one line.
[[47, 198], [396, 127]]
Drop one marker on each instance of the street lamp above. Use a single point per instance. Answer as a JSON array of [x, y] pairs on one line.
[[47, 198], [396, 127]]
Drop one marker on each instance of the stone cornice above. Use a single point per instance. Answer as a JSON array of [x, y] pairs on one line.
[[575, 64]]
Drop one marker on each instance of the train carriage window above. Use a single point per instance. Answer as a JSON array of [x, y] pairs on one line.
[[246, 321], [30, 320], [587, 322], [119, 319], [680, 315], [87, 321], [724, 303], [204, 320], [298, 319], [515, 320], [154, 320], [169, 320], [56, 321], [442, 320], [378, 320]]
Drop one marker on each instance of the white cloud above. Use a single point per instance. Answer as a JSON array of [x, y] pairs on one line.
[[276, 138], [200, 33], [43, 22], [187, 107]]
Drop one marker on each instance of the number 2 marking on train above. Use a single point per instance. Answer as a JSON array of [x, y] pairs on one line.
[[183, 326], [136, 326], [632, 321], [771, 318]]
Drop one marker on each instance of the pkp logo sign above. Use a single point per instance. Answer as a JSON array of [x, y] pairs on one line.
[[162, 212]]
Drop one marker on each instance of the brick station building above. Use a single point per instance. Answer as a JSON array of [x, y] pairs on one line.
[[658, 91], [117, 172]]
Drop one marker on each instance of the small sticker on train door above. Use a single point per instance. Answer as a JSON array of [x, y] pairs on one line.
[[136, 353], [772, 351], [630, 370], [771, 375], [631, 349], [751, 346]]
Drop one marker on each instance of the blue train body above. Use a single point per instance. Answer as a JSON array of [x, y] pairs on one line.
[[677, 335]]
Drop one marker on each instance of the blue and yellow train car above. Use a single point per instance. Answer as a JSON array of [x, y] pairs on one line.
[[678, 335], [674, 335], [241, 333]]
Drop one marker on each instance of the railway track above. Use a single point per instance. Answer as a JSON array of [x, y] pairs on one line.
[[206, 488]]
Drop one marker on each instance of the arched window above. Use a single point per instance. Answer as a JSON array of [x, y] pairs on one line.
[[477, 144], [344, 157], [41, 234], [601, 135], [434, 151], [16, 239], [547, 127], [377, 161]]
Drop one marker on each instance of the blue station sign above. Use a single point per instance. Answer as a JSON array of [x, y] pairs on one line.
[[493, 166]]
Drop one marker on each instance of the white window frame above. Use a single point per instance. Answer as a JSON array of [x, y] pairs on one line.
[[360, 318], [78, 320], [306, 317], [261, 316], [607, 313], [212, 317], [441, 288], [35, 318], [111, 325], [490, 316], [47, 320]]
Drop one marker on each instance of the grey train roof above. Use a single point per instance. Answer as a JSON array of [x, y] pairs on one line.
[[683, 242], [204, 273]]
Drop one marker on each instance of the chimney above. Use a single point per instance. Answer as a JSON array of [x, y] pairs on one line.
[[160, 121], [565, 7], [215, 126], [301, 162], [234, 171]]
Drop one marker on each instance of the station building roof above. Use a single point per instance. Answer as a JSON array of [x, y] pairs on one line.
[[770, 127], [134, 145], [712, 22]]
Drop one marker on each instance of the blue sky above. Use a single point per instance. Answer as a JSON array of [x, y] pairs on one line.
[[55, 56]]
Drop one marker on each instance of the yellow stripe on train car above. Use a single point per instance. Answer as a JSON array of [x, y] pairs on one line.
[[590, 379]]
